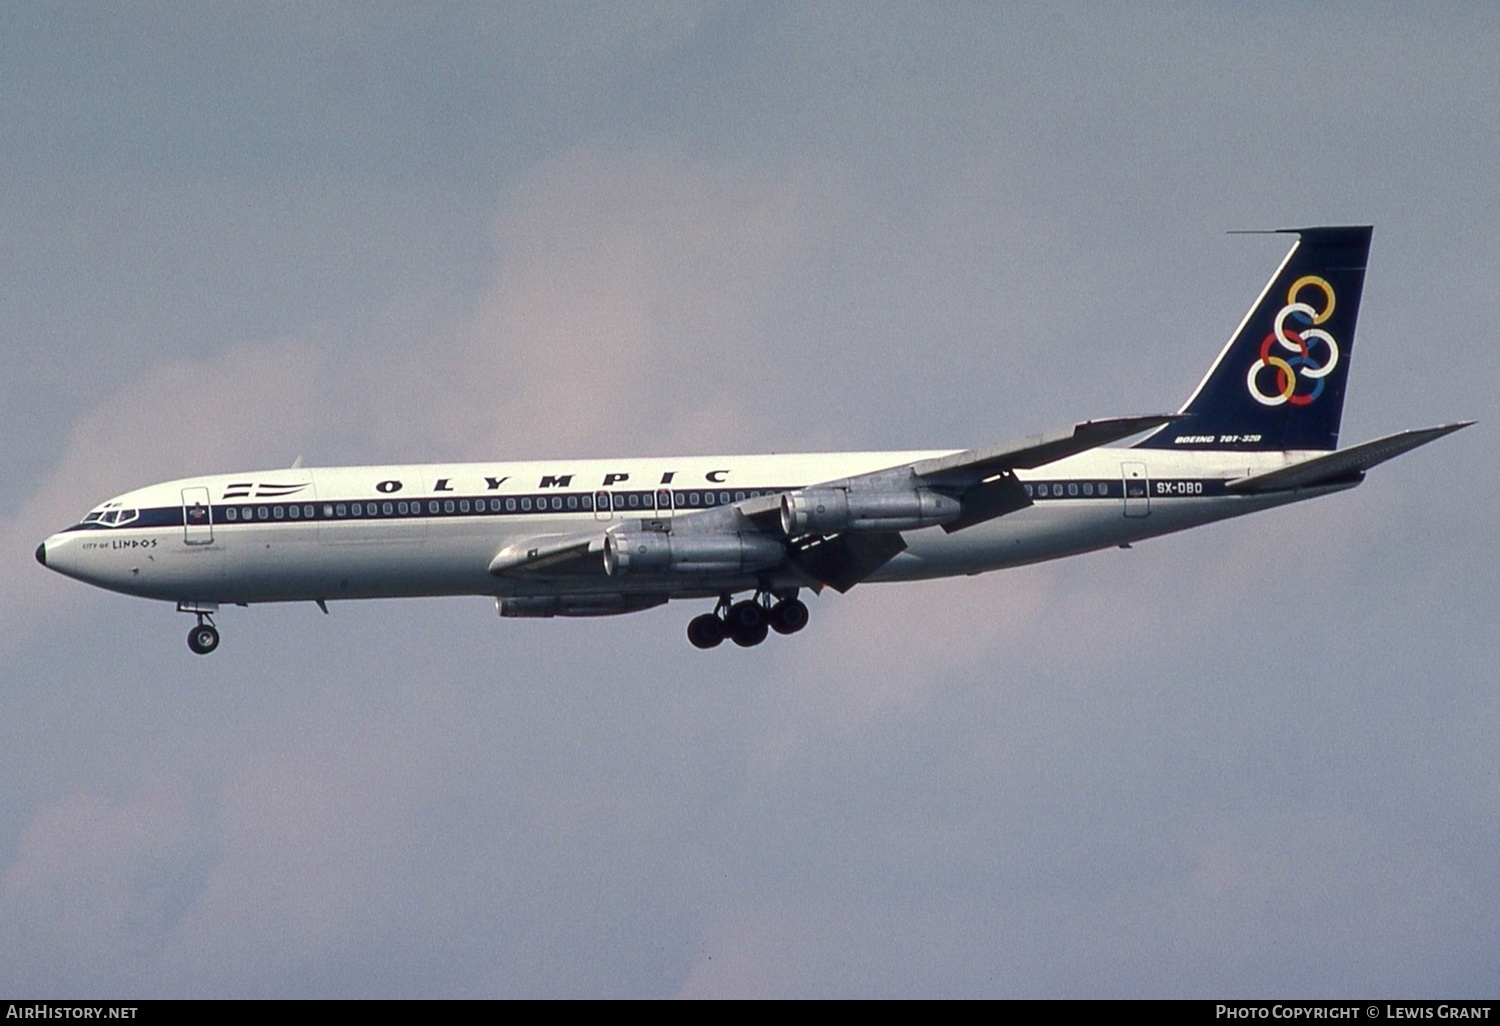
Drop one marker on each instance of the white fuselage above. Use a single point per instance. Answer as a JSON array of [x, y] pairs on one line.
[[400, 531]]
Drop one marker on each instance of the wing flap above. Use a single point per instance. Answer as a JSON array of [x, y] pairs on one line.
[[844, 560], [1343, 464], [988, 500]]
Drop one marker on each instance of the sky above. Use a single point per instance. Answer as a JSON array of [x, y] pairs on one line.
[[1253, 760]]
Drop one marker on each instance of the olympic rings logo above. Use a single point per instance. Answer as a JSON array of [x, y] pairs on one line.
[[1299, 342]]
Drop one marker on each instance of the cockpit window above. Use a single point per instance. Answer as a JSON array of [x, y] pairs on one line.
[[113, 517]]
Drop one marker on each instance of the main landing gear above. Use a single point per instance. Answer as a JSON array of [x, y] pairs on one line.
[[203, 638], [749, 621]]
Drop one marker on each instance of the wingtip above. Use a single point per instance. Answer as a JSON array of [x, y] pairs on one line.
[[1448, 429]]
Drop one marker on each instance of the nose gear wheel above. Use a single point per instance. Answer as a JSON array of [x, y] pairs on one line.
[[203, 638]]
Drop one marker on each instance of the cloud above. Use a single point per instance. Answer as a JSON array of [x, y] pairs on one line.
[[245, 407], [620, 316], [1319, 898], [1244, 759], [95, 888], [311, 847], [755, 952], [628, 307]]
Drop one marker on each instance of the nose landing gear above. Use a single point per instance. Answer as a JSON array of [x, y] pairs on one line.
[[748, 621], [203, 638]]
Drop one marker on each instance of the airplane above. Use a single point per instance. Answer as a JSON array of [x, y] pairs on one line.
[[603, 537]]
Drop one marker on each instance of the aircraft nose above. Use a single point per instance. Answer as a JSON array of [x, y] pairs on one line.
[[41, 553]]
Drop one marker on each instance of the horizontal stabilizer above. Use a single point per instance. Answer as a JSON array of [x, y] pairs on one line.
[[974, 465], [1343, 464]]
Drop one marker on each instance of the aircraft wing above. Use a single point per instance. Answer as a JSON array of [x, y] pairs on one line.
[[969, 487], [1343, 465], [974, 465], [963, 471], [981, 482]]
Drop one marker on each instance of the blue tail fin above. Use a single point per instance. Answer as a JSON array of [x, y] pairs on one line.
[[1279, 383]]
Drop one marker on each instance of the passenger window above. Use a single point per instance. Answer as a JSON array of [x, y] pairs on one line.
[[1072, 489], [572, 502], [1028, 489], [463, 505], [295, 512], [387, 508], [229, 514], [262, 513], [356, 509], [510, 505], [526, 504], [447, 505]]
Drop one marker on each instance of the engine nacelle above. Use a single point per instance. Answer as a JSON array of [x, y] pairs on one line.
[[834, 510], [577, 605], [653, 552]]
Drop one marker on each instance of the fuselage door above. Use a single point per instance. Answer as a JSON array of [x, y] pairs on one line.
[[1137, 489], [197, 517]]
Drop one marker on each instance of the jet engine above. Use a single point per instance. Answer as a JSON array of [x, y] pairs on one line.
[[577, 605], [835, 510], [651, 552]]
